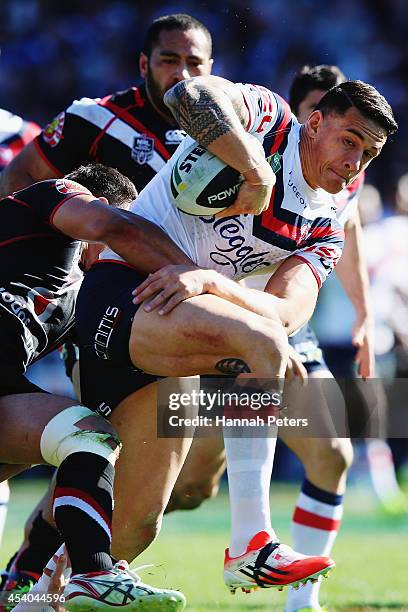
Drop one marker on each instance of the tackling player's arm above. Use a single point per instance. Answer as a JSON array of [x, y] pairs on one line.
[[293, 284], [26, 168], [353, 275], [212, 111], [289, 296], [140, 243]]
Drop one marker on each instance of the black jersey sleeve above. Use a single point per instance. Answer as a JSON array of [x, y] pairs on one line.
[[67, 141], [46, 197]]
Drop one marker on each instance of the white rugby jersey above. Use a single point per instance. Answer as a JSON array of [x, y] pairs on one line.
[[300, 221]]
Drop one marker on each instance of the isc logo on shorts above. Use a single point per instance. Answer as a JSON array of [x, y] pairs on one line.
[[104, 332]]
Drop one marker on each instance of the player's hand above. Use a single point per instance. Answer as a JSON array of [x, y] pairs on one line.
[[254, 194], [363, 340], [58, 580], [295, 367], [170, 286]]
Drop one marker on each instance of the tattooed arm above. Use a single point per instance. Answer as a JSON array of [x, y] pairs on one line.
[[212, 111]]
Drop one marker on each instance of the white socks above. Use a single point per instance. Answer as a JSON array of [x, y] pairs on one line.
[[315, 525], [249, 466]]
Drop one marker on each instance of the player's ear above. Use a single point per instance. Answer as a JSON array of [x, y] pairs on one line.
[[103, 199], [314, 123], [143, 65]]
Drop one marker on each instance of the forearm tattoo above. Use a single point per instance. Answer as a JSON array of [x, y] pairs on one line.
[[198, 113], [232, 366]]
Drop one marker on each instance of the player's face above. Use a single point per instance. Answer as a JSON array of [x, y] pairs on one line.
[[177, 56], [342, 146], [309, 103]]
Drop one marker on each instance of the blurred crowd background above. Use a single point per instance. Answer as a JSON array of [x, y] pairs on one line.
[[54, 52]]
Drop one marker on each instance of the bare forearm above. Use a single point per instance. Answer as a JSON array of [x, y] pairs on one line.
[[12, 179], [143, 245], [211, 113], [261, 303], [25, 169], [352, 269]]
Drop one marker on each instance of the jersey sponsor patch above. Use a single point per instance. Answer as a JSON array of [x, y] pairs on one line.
[[52, 132], [66, 186], [143, 149]]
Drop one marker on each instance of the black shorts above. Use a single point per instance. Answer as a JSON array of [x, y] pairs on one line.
[[15, 384], [307, 345], [13, 357], [104, 316]]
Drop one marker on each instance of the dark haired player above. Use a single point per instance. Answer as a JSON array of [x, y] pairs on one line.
[[318, 511], [327, 163], [299, 232], [133, 129], [42, 229]]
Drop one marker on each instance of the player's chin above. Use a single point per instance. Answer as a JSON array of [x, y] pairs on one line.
[[333, 182]]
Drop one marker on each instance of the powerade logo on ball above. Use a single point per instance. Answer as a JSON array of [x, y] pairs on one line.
[[223, 197], [201, 183]]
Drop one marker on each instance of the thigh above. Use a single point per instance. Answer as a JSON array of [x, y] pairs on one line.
[[200, 333]]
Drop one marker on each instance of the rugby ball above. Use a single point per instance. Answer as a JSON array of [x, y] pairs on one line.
[[201, 184]]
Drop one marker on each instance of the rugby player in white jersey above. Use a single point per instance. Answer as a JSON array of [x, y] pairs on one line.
[[318, 511], [325, 158], [299, 231]]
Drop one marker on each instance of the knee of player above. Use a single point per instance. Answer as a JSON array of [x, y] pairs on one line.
[[333, 454], [78, 429], [149, 527], [191, 496]]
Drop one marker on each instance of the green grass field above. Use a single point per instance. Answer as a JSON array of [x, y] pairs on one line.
[[371, 554]]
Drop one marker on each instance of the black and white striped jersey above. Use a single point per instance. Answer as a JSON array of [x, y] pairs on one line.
[[122, 130]]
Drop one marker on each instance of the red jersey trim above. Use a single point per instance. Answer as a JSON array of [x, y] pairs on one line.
[[128, 118], [116, 261], [21, 202], [26, 237], [45, 158], [313, 269], [94, 146], [72, 195], [249, 113]]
